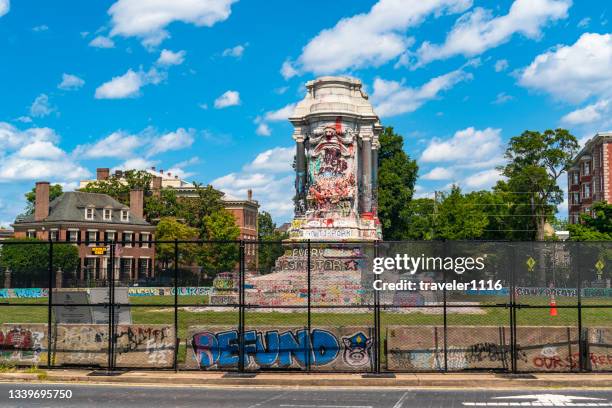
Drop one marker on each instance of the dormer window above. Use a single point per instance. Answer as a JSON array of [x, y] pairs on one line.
[[108, 214], [125, 215], [89, 213]]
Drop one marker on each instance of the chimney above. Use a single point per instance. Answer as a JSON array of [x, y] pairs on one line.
[[137, 203], [41, 206], [102, 173], [153, 168], [156, 185], [250, 194]]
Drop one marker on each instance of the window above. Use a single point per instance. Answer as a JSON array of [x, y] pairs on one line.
[[54, 234], [587, 210], [575, 178], [143, 267], [586, 191], [111, 236], [89, 213], [145, 238], [92, 237], [586, 168], [72, 236], [125, 215], [575, 198], [31, 234], [127, 239], [108, 214]]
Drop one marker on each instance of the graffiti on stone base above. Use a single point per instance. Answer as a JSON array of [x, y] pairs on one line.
[[18, 344], [282, 349]]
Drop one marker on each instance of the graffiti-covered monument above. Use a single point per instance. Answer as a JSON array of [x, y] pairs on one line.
[[336, 135]]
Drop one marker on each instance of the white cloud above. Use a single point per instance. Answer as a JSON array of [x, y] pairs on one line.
[[70, 82], [281, 114], [118, 144], [482, 180], [287, 70], [502, 98], [271, 178], [228, 98], [263, 129], [135, 163], [369, 39], [589, 114], [278, 159], [41, 150], [501, 65], [438, 173], [41, 106], [469, 144], [573, 72], [24, 119], [177, 140], [5, 6], [392, 98], [477, 31], [167, 57], [33, 154], [584, 23], [148, 19], [123, 145], [235, 52], [128, 85], [40, 28], [102, 42]]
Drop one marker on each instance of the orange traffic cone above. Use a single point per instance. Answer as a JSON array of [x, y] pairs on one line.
[[553, 307]]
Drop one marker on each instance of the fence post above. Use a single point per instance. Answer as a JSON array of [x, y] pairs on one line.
[[309, 322], [581, 348], [513, 348], [49, 311], [176, 338], [110, 276], [444, 278], [241, 306], [377, 347]]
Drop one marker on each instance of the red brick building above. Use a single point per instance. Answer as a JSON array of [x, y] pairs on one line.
[[590, 177], [86, 218], [245, 212]]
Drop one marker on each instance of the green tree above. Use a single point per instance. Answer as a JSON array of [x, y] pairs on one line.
[[170, 229], [220, 257], [195, 209], [167, 204], [55, 190], [594, 228], [119, 186], [28, 260], [396, 177], [458, 216], [535, 163], [420, 219], [270, 249]]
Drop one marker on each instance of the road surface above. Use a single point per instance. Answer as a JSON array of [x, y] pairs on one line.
[[155, 396]]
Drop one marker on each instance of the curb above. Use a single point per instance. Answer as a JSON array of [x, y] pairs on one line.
[[319, 380]]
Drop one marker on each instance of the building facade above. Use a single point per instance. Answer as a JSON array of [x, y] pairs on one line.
[[245, 212], [590, 176], [87, 220]]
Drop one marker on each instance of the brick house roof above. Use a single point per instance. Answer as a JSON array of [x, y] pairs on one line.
[[70, 207]]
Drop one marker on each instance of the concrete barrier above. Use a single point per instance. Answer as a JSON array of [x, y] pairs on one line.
[[332, 348]]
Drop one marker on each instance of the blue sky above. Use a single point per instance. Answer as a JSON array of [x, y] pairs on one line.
[[203, 88]]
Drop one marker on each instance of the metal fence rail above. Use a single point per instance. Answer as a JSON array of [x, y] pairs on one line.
[[247, 306]]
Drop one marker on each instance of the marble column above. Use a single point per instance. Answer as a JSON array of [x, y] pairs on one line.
[[300, 180], [366, 148], [375, 177]]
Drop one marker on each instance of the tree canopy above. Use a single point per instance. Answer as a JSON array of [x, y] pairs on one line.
[[396, 177]]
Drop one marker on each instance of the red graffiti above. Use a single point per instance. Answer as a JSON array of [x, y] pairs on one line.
[[20, 339]]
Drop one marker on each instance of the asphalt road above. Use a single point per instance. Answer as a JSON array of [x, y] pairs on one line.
[[117, 396]]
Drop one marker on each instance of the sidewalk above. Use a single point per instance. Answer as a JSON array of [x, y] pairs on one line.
[[459, 380]]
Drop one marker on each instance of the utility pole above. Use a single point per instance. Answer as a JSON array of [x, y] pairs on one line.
[[435, 213]]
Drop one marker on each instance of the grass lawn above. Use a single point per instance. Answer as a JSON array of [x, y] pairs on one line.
[[35, 311]]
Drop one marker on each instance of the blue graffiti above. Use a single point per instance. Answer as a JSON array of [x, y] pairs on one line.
[[269, 349]]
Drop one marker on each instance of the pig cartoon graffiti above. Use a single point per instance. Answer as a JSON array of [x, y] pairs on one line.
[[357, 350]]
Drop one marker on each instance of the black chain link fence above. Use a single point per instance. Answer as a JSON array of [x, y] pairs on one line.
[[247, 306]]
